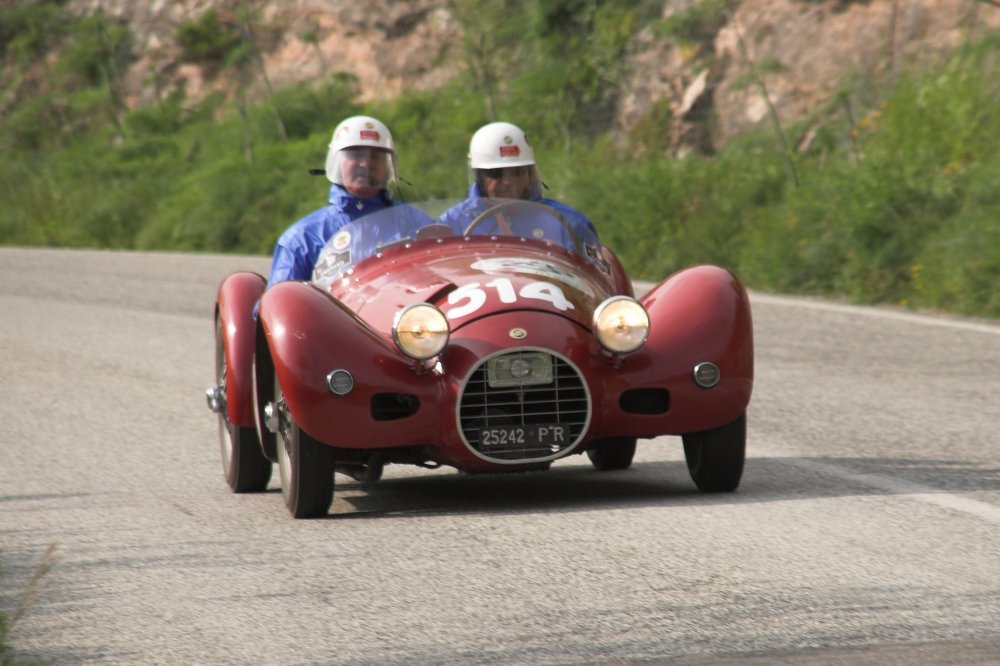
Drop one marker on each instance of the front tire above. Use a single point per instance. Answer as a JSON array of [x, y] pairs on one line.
[[612, 453], [305, 465], [715, 457], [244, 466]]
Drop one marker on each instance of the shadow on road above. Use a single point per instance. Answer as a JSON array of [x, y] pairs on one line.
[[579, 487]]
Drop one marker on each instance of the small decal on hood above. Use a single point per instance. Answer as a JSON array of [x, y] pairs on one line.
[[520, 265], [341, 240], [330, 265], [594, 254]]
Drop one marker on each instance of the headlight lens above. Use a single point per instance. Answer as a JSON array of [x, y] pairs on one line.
[[621, 323], [421, 331]]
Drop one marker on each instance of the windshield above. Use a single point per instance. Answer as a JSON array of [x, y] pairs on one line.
[[402, 223]]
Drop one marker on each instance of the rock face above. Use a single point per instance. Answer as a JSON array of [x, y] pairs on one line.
[[389, 46], [801, 50], [814, 47]]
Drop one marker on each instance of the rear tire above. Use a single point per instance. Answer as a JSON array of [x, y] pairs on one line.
[[715, 457], [305, 465], [244, 466], [612, 453]]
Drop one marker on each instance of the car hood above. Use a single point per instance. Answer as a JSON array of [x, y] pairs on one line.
[[470, 278]]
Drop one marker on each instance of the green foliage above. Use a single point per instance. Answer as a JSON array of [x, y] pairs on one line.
[[28, 28], [581, 60], [432, 153], [206, 40], [698, 24], [652, 134], [765, 66], [98, 49], [304, 109], [163, 118], [666, 214], [896, 201]]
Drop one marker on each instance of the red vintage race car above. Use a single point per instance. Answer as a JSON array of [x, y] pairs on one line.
[[505, 344]]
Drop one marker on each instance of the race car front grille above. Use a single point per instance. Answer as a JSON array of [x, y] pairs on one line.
[[524, 422]]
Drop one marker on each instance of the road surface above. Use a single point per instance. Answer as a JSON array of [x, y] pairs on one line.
[[866, 530]]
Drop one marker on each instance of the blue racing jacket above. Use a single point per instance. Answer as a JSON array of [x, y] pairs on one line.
[[299, 246]]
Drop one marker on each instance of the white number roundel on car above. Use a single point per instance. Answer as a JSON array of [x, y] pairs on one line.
[[531, 267], [470, 297]]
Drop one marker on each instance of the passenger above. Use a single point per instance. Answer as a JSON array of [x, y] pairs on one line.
[[502, 166], [361, 165]]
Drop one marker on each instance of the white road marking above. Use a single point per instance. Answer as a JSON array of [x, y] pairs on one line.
[[873, 311], [915, 491], [926, 494]]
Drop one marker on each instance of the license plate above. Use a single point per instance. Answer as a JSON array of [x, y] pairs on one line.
[[524, 435]]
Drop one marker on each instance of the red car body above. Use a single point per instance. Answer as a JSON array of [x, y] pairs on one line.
[[505, 297]]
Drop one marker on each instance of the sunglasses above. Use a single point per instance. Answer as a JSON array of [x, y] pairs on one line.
[[497, 174], [370, 154]]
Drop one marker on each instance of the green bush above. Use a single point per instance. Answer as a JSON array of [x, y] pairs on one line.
[[206, 40], [698, 24], [27, 29], [98, 50]]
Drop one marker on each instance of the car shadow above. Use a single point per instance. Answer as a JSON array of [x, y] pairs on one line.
[[579, 487]]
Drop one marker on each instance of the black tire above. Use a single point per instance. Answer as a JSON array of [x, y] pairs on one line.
[[244, 466], [612, 453], [305, 465], [715, 457]]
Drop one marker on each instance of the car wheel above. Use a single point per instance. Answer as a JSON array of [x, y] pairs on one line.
[[243, 464], [715, 457], [305, 465], [613, 453]]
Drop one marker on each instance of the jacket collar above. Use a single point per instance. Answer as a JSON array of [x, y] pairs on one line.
[[344, 200]]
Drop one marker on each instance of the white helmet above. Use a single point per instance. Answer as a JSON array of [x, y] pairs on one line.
[[500, 145], [361, 132]]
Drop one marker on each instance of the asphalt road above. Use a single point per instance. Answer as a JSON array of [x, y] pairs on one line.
[[866, 530]]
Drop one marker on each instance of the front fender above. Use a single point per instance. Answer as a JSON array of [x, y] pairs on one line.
[[310, 333], [701, 314], [234, 304]]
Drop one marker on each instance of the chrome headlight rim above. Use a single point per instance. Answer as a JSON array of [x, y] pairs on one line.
[[601, 323], [433, 319]]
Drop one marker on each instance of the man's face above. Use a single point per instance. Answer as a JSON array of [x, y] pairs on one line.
[[506, 182], [364, 171]]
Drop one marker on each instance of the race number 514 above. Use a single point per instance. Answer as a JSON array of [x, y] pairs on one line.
[[470, 297]]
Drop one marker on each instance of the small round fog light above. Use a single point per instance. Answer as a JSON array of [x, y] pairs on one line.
[[340, 382], [706, 374]]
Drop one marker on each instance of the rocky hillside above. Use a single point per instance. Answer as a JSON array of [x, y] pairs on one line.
[[802, 51]]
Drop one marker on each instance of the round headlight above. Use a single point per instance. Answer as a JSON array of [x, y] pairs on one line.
[[621, 324], [421, 331]]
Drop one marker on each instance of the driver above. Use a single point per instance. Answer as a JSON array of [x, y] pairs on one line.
[[502, 166], [361, 165]]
